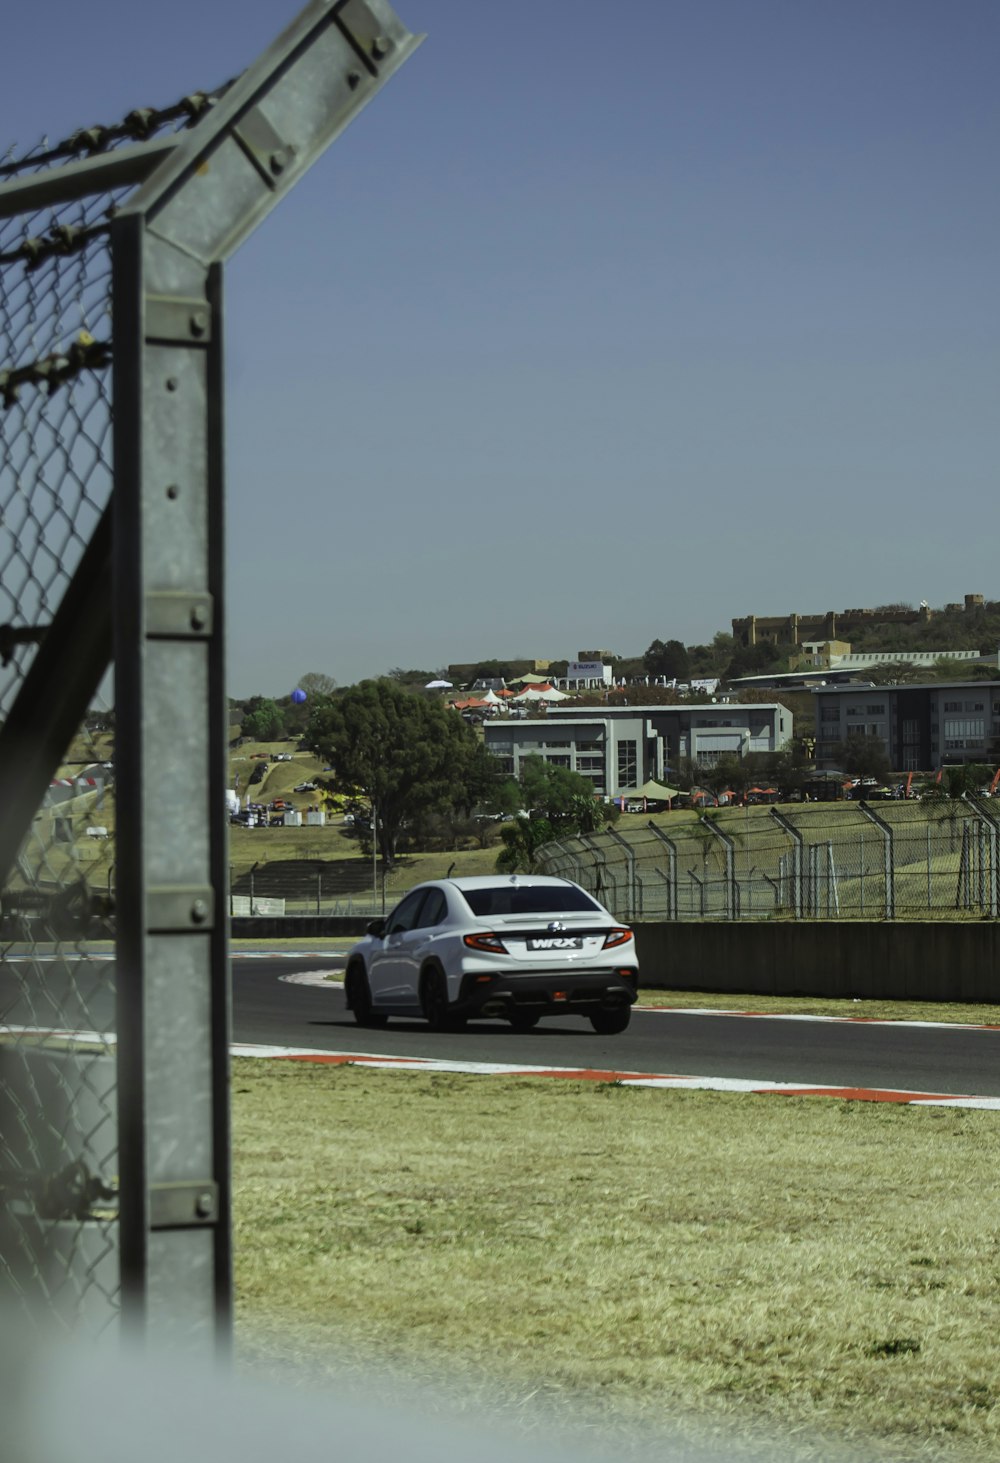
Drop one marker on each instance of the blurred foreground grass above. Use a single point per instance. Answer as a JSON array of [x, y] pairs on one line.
[[818, 1269]]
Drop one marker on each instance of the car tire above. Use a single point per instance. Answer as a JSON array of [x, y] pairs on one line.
[[611, 1023], [359, 998], [434, 1002], [525, 1020]]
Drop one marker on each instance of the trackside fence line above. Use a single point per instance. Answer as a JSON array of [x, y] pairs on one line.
[[849, 861]]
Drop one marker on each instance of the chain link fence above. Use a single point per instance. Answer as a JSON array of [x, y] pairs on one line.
[[816, 861], [58, 1125], [114, 994], [58, 1099]]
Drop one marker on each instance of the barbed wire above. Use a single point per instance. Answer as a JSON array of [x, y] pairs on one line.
[[55, 369], [60, 239], [139, 125]]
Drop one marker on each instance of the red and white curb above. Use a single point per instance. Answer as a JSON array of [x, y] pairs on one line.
[[747, 1085], [95, 1042]]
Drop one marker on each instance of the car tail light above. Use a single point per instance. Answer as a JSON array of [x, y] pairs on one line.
[[618, 936], [492, 943]]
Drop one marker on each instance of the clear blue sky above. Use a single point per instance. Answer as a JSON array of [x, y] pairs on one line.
[[600, 324]]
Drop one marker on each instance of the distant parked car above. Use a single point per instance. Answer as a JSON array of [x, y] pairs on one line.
[[521, 948], [305, 787]]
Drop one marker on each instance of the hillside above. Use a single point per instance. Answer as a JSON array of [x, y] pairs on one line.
[[973, 628]]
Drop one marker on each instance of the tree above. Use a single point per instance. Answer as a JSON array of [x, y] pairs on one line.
[[521, 841], [555, 801], [964, 778], [790, 767], [749, 660], [863, 756], [263, 721], [317, 685], [670, 660], [565, 798], [406, 754], [711, 660], [729, 774]]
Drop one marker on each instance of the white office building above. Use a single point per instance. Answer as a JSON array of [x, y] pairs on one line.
[[621, 748]]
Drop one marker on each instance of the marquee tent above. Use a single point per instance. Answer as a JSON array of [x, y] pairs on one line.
[[657, 792], [536, 693]]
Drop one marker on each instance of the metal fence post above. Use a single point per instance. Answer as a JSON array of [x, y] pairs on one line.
[[604, 880], [630, 910], [991, 826], [671, 848], [797, 843], [169, 243], [890, 880], [730, 847]]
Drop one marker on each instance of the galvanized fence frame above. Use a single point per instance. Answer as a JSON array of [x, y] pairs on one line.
[[146, 596], [938, 857]]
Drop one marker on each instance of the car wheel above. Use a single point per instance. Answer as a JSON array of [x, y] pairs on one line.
[[525, 1020], [434, 1002], [610, 1023], [359, 998]]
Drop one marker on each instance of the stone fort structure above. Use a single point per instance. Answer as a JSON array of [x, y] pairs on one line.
[[832, 625]]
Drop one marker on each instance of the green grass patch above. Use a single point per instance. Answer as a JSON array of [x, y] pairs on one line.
[[984, 1015], [825, 1270]]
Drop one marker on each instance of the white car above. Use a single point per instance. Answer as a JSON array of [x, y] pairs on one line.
[[518, 946]]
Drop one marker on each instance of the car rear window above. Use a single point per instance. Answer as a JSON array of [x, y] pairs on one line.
[[529, 899]]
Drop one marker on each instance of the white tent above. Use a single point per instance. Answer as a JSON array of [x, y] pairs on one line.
[[550, 695], [438, 686]]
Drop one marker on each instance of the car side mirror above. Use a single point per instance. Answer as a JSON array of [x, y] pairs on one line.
[[377, 928]]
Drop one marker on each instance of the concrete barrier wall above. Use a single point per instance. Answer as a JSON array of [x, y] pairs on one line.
[[298, 926], [945, 961]]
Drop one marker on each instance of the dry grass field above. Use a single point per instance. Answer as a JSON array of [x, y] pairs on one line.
[[625, 1259]]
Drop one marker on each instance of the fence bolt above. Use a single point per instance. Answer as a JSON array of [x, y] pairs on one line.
[[171, 383], [198, 617], [380, 46], [199, 322], [199, 912], [278, 160], [204, 1205]]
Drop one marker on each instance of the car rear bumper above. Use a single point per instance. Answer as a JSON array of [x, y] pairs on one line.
[[547, 993]]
